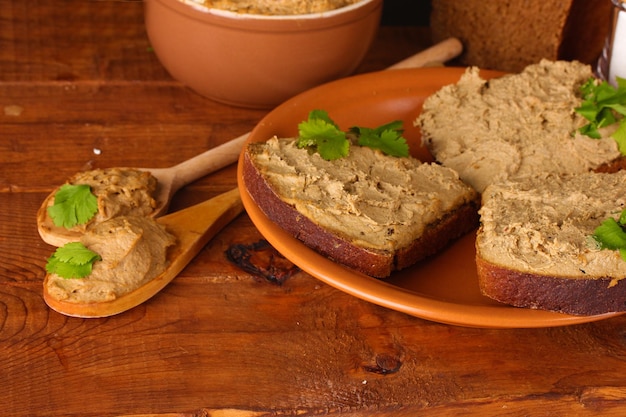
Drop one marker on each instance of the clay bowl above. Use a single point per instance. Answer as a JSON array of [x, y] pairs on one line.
[[258, 61]]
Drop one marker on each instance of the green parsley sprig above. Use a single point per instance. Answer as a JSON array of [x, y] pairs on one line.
[[386, 138], [322, 133], [604, 105], [319, 131], [73, 205], [611, 234], [72, 260]]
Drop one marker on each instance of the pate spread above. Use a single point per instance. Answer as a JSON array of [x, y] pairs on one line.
[[278, 7], [133, 251], [543, 225], [513, 126], [372, 199], [120, 192]]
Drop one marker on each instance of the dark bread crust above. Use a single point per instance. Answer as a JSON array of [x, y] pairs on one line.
[[612, 166], [371, 262], [565, 295]]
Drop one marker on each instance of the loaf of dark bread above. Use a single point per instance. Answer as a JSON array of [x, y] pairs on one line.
[[535, 248], [370, 212], [508, 35]]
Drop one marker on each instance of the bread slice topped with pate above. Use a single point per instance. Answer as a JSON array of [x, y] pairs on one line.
[[368, 210], [515, 125], [544, 148], [555, 242]]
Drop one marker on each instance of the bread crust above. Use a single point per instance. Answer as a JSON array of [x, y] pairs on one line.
[[376, 263], [565, 295], [612, 166]]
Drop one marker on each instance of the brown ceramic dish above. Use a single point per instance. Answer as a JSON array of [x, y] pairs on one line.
[[256, 60]]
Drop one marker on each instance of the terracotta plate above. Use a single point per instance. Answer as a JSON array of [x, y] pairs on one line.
[[443, 288]]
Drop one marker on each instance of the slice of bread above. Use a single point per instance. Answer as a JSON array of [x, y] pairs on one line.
[[535, 247], [514, 126], [370, 212]]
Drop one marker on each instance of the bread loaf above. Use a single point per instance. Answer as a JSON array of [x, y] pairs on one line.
[[508, 35], [514, 125], [535, 248], [368, 211]]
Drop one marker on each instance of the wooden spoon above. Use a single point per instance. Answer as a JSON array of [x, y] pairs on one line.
[[172, 179], [193, 228]]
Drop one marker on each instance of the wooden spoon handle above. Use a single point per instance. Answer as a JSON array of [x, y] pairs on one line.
[[435, 55], [208, 162]]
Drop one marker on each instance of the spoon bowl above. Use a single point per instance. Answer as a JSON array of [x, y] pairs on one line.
[[193, 227]]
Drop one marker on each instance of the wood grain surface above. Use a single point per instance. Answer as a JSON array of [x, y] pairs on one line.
[[80, 88]]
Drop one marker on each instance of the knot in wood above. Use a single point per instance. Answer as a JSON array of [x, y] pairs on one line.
[[385, 364]]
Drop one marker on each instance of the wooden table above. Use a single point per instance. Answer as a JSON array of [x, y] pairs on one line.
[[80, 88]]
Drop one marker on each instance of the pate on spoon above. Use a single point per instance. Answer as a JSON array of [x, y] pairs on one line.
[[193, 227], [169, 181]]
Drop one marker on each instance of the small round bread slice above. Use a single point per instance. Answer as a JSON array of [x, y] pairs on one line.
[[535, 246], [370, 212]]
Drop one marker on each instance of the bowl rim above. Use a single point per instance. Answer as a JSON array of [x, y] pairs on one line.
[[194, 6]]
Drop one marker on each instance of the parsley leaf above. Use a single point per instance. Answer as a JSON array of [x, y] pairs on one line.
[[604, 105], [321, 132], [387, 138], [611, 234], [73, 204], [620, 137], [73, 260]]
